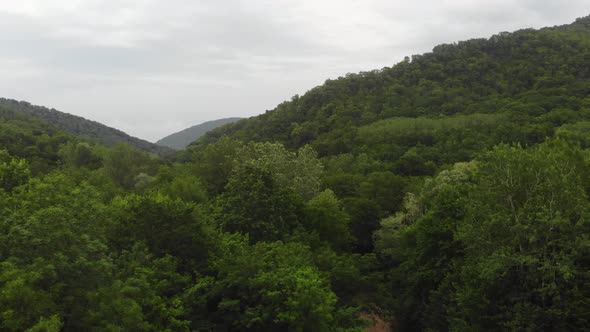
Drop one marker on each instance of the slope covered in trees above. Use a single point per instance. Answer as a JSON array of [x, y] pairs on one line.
[[79, 126], [382, 136], [450, 192], [380, 132], [537, 75], [181, 139]]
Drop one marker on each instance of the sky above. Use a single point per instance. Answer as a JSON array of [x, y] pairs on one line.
[[153, 67]]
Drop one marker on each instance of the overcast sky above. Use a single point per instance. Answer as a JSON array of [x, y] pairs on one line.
[[153, 67]]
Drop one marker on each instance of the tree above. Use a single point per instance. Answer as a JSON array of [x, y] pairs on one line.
[[524, 241], [418, 248], [270, 287], [165, 225], [13, 171], [51, 252], [324, 215], [123, 164], [143, 293], [255, 204], [300, 171], [179, 182], [79, 154], [214, 163]]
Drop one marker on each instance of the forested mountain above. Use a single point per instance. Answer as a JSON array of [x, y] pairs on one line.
[[404, 152], [449, 192], [79, 126], [540, 76], [181, 139]]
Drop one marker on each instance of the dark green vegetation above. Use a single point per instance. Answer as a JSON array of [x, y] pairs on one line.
[[79, 126], [449, 192], [181, 139]]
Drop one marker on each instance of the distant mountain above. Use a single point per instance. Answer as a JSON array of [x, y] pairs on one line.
[[184, 137], [82, 127]]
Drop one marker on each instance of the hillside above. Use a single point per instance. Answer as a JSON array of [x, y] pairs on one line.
[[538, 75], [379, 132], [82, 127], [181, 139], [462, 170]]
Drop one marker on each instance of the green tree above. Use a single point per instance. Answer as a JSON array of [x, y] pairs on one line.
[[13, 171], [299, 172], [524, 241], [123, 164], [269, 287], [142, 294], [325, 215], [79, 155], [165, 225], [214, 163], [255, 204]]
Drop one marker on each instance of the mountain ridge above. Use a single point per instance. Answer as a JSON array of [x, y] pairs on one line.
[[451, 79], [82, 127]]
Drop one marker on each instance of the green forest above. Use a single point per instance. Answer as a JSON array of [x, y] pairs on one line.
[[449, 192]]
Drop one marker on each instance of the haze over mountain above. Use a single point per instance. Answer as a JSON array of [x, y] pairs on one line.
[[82, 127], [181, 139]]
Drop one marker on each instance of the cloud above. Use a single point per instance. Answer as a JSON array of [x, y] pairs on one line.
[[152, 67]]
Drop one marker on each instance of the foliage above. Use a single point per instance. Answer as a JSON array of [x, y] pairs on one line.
[[499, 245], [13, 171], [270, 287]]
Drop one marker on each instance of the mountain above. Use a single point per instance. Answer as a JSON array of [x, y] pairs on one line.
[[82, 127], [184, 137], [379, 133], [537, 75]]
